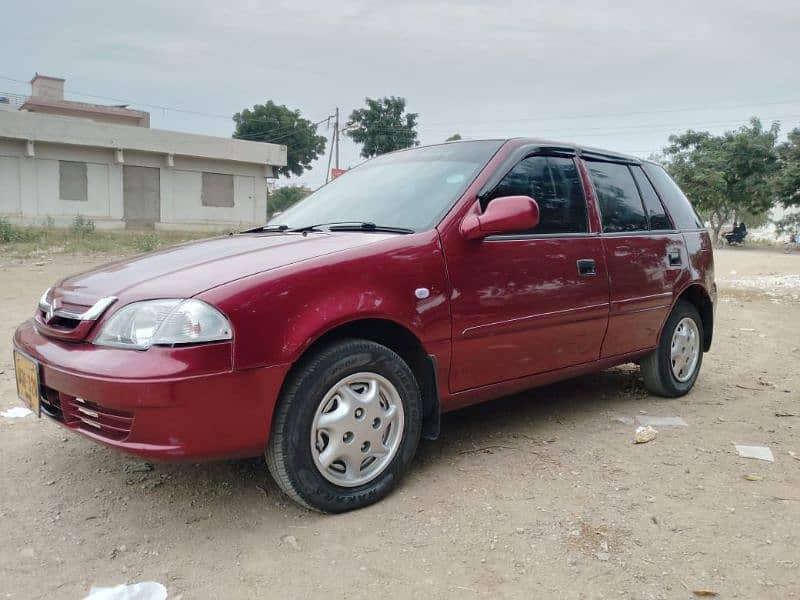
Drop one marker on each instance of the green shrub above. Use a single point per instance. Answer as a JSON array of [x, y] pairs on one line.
[[14, 233], [82, 225], [147, 242], [7, 231]]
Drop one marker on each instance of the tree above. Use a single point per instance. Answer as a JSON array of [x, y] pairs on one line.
[[383, 126], [726, 176], [280, 125], [788, 225], [786, 183], [454, 138], [284, 197]]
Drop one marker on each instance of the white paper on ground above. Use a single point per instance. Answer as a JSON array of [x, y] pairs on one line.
[[661, 421], [16, 413], [757, 452], [146, 590]]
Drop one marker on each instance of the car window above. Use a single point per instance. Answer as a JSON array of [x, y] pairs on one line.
[[674, 199], [554, 182], [655, 210], [621, 206]]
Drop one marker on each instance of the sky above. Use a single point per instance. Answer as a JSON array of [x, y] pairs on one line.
[[618, 75]]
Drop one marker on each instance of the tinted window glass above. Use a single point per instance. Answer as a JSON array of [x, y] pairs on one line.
[[676, 202], [620, 205], [655, 210], [554, 183]]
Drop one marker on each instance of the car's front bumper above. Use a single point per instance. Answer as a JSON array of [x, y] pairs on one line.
[[172, 404]]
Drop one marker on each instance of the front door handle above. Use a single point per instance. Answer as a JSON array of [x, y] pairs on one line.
[[674, 258], [587, 267]]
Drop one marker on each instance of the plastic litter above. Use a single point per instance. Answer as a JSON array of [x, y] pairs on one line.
[[145, 590], [757, 452], [645, 420], [16, 413]]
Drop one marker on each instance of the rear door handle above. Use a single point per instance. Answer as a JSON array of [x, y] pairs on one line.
[[674, 257], [587, 267]]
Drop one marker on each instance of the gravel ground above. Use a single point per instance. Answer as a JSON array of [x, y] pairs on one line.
[[539, 495]]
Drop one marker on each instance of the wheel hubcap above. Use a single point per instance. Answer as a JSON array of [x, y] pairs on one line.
[[357, 429], [685, 349]]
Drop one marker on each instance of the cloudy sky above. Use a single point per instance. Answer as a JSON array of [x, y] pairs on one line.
[[621, 75]]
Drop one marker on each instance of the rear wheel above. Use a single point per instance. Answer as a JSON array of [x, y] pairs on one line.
[[672, 368], [346, 427]]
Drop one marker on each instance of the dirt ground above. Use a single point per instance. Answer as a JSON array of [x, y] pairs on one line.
[[540, 495]]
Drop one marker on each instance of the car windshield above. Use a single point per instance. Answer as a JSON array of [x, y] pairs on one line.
[[411, 189]]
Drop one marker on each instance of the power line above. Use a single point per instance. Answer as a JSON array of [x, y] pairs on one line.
[[604, 130], [148, 105], [706, 106], [290, 130], [130, 102]]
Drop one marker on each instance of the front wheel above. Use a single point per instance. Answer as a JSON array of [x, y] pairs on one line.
[[672, 368], [346, 427]]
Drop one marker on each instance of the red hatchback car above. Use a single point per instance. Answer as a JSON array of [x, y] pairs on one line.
[[332, 338]]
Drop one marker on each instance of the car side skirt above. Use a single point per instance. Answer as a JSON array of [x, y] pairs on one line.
[[505, 388]]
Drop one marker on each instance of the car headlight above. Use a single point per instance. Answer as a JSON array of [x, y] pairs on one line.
[[164, 322]]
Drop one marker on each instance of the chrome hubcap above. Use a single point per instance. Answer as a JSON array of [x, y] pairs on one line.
[[357, 429], [685, 349]]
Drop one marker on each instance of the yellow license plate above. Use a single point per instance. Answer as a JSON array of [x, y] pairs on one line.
[[27, 381]]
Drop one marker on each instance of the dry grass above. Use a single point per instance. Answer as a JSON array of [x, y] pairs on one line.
[[83, 238]]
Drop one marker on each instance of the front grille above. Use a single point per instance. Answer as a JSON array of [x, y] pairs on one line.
[[101, 420], [60, 323], [69, 317], [51, 403]]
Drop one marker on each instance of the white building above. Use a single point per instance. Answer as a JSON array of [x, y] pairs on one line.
[[77, 159]]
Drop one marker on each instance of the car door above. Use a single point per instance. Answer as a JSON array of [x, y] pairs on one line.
[[533, 301], [644, 254]]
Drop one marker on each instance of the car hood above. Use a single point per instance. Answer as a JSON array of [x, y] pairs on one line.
[[189, 269]]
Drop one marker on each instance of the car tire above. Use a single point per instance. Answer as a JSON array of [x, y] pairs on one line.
[[672, 369], [351, 399]]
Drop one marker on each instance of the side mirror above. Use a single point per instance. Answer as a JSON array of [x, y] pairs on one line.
[[507, 214]]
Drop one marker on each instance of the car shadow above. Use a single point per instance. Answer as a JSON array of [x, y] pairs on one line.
[[536, 415], [221, 494]]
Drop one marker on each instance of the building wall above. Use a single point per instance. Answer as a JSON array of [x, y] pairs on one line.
[[29, 188]]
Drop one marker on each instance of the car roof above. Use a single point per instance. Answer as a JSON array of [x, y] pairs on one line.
[[543, 144]]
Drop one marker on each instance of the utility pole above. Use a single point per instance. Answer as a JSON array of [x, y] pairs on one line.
[[336, 129], [334, 144]]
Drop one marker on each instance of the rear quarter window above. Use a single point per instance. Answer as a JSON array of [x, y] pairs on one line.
[[659, 220], [678, 205]]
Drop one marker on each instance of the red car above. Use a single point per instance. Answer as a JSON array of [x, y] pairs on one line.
[[332, 338]]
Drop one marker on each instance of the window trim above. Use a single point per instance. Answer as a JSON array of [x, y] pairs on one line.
[[543, 152], [511, 237]]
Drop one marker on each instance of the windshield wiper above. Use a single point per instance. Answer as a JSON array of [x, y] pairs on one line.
[[266, 228], [353, 226]]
